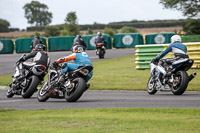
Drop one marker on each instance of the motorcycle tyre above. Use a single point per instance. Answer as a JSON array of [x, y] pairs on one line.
[[183, 85], [151, 92], [31, 88], [45, 97], [77, 92]]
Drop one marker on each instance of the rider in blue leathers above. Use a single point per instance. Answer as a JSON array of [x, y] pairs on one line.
[[177, 48], [80, 58]]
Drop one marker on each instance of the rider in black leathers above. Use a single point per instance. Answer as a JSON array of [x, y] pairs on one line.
[[79, 41], [36, 41], [40, 57]]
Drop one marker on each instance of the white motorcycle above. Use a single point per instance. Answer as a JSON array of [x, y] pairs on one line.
[[165, 77]]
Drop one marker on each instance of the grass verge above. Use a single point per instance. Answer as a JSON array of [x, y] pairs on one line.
[[101, 120], [120, 74]]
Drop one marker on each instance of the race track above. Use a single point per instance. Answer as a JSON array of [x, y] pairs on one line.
[[106, 99], [7, 61], [96, 99]]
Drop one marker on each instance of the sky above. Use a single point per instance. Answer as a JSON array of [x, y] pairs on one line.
[[90, 11]]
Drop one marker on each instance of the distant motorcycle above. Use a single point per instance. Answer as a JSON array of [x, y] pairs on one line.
[[28, 85], [176, 79], [70, 85], [101, 50]]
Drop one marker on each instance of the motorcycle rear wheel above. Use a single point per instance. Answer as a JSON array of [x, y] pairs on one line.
[[151, 87], [101, 54], [43, 94], [77, 90], [31, 88], [182, 84]]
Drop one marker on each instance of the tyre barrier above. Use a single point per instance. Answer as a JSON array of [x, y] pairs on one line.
[[127, 40], [23, 45], [90, 41], [6, 46], [160, 38], [60, 43], [145, 53]]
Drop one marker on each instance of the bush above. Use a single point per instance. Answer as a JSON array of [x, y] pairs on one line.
[[128, 29], [51, 31], [109, 31]]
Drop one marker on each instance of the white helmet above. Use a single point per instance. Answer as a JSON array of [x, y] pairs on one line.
[[78, 49], [175, 38]]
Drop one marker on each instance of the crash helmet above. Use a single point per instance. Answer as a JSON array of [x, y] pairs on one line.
[[40, 47], [175, 38], [37, 37], [78, 49], [99, 33], [78, 36]]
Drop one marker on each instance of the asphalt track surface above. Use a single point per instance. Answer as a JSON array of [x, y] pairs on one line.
[[96, 99], [7, 61], [106, 99]]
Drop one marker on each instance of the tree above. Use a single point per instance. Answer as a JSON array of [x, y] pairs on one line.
[[190, 8], [4, 25], [37, 13], [192, 26], [128, 29], [109, 31], [71, 25], [51, 31]]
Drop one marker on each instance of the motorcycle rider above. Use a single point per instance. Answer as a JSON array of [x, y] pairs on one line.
[[36, 41], [80, 58], [79, 41], [178, 49], [100, 39], [40, 57]]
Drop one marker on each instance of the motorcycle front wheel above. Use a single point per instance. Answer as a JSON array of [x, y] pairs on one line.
[[10, 93], [151, 89], [180, 83], [28, 91], [78, 87], [43, 94]]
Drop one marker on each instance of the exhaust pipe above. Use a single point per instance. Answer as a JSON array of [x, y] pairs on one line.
[[192, 76]]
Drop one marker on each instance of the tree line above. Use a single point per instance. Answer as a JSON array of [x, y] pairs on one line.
[[38, 15]]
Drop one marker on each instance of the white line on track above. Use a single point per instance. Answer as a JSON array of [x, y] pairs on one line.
[[8, 101]]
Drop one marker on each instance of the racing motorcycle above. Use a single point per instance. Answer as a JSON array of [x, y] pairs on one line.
[[27, 85], [165, 77], [100, 50], [70, 85]]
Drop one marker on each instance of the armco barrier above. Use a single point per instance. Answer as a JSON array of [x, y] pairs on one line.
[[90, 41], [127, 40], [23, 44], [145, 53], [6, 46], [60, 43]]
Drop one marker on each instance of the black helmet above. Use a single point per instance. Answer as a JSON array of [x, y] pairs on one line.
[[37, 37], [78, 36], [40, 47]]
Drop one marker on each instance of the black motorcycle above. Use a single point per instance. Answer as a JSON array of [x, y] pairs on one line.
[[28, 84], [100, 50], [70, 85], [165, 77]]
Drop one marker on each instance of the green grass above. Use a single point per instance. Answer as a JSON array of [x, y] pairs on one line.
[[101, 121], [120, 74]]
